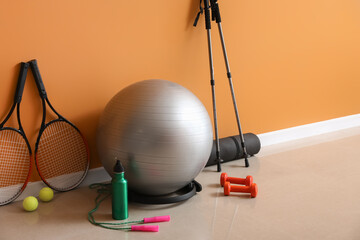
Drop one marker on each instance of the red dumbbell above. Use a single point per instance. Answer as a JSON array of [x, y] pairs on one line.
[[252, 189], [244, 181]]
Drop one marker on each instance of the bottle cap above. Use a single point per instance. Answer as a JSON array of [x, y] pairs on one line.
[[118, 168]]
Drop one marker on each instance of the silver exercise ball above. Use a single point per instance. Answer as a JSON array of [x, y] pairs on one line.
[[161, 133]]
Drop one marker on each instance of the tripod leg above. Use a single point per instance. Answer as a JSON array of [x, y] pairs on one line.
[[233, 95]]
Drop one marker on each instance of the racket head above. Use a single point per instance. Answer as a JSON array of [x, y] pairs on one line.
[[15, 164], [61, 155]]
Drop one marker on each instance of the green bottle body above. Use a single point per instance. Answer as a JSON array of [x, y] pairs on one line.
[[119, 197]]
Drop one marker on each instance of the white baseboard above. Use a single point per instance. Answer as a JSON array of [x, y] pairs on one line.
[[95, 175], [309, 130], [100, 175]]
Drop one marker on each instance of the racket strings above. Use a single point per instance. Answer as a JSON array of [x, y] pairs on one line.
[[62, 157], [15, 162]]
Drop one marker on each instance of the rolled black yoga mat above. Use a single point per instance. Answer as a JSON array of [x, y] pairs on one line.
[[230, 148]]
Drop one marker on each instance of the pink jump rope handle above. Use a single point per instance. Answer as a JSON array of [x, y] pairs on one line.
[[151, 228], [145, 228], [157, 219]]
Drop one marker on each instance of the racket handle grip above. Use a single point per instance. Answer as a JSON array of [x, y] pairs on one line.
[[157, 219], [37, 77], [21, 81], [145, 228]]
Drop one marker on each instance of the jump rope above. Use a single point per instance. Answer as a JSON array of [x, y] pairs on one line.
[[104, 191]]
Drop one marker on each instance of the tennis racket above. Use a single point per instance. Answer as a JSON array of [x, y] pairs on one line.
[[15, 151], [61, 151]]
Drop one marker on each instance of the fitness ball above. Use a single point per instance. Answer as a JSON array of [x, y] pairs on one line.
[[161, 133]]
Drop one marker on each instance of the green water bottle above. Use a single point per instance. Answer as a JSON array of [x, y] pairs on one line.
[[119, 193]]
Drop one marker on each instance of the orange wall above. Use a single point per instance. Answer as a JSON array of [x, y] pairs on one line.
[[293, 62]]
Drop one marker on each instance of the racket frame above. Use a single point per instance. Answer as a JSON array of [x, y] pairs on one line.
[[17, 100], [44, 125]]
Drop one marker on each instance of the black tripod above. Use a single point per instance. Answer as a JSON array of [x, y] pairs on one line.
[[216, 17]]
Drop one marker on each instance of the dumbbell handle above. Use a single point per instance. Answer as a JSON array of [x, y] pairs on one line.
[[252, 189], [243, 181]]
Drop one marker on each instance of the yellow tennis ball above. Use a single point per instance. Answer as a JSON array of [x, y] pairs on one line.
[[30, 203], [46, 194]]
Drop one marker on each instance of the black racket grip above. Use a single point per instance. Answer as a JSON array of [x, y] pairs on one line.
[[37, 77], [207, 14], [21, 81]]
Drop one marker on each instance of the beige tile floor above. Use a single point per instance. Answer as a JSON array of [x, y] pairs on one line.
[[308, 189]]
